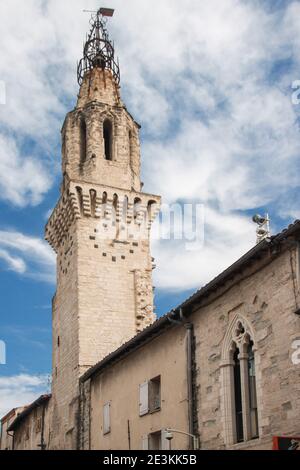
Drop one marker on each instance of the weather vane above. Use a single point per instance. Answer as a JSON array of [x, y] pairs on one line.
[[98, 50]]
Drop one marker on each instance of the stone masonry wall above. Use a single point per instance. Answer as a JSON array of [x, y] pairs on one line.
[[266, 299]]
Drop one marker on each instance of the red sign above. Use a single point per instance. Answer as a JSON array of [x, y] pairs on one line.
[[286, 443]]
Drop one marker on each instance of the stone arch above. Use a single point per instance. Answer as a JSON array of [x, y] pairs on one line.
[[104, 205], [93, 199], [108, 139], [80, 198], [109, 123], [231, 338], [151, 209], [239, 339], [137, 206]]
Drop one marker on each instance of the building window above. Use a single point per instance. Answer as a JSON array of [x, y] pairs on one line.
[[238, 398], [108, 139], [154, 394], [252, 392], [150, 396], [106, 419], [156, 441], [83, 141], [239, 387]]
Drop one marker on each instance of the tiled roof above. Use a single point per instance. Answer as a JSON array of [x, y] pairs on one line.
[[40, 401]]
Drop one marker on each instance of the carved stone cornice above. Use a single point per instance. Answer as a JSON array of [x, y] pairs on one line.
[[81, 199]]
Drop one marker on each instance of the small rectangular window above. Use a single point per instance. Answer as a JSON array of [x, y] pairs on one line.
[[106, 419], [150, 396], [155, 441], [158, 441], [154, 394]]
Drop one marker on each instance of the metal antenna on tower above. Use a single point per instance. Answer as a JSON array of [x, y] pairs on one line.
[[98, 51]]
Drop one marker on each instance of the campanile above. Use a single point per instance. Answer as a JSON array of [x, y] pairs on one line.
[[100, 231]]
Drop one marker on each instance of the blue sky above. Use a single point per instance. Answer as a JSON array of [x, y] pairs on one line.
[[211, 85]]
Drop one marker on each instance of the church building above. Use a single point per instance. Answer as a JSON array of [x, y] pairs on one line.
[[220, 371]]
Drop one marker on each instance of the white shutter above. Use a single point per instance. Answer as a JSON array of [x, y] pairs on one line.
[[145, 442], [144, 398], [106, 418], [165, 443]]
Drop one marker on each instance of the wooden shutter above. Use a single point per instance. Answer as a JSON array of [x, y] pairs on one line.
[[144, 398], [145, 442], [106, 418], [165, 443]]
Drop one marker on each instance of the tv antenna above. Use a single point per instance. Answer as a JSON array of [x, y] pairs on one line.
[[263, 229]]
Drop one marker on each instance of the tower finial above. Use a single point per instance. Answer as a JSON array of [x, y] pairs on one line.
[[98, 51]]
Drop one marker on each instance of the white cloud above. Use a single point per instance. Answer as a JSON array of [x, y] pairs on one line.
[[24, 180], [226, 238], [202, 80], [20, 390], [15, 264], [27, 255]]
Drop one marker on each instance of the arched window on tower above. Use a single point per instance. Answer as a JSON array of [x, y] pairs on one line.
[[130, 140], [83, 141], [108, 139]]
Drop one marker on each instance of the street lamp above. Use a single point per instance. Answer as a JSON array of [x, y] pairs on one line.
[[169, 436]]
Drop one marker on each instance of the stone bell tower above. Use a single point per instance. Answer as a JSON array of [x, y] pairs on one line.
[[100, 231]]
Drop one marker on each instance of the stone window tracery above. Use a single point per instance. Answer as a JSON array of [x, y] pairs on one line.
[[239, 387]]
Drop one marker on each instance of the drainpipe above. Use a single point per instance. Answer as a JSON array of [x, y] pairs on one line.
[[189, 371], [42, 444], [189, 337]]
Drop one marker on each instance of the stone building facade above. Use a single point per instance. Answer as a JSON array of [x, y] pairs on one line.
[[30, 428], [6, 438], [222, 367], [245, 323]]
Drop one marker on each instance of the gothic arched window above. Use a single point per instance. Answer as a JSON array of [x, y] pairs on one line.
[[130, 140], [239, 388], [83, 141], [108, 139]]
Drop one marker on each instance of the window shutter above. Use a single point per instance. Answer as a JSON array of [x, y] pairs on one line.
[[165, 443], [145, 442], [144, 399], [106, 418]]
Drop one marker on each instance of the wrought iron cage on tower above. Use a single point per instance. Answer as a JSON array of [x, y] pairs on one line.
[[98, 50]]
